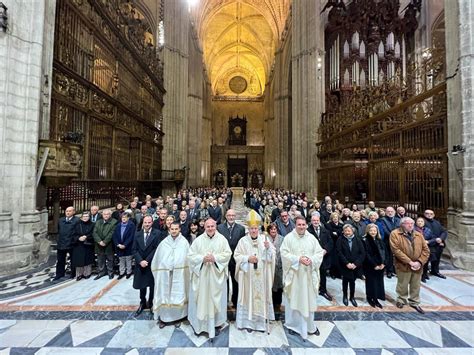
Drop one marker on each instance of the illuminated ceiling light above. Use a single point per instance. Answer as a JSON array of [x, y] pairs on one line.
[[192, 3]]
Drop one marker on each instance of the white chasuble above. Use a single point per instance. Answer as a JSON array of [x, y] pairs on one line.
[[255, 303], [300, 282], [171, 272], [208, 291]]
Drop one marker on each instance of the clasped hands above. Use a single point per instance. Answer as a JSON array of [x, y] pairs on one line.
[[305, 260], [120, 246], [379, 267], [253, 259], [351, 266], [143, 263], [82, 238], [209, 258], [440, 241], [415, 265]]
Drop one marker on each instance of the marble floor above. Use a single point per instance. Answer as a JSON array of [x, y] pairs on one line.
[[96, 317]]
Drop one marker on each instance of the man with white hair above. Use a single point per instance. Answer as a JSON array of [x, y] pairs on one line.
[[410, 252], [438, 243]]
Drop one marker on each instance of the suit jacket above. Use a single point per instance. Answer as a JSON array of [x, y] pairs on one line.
[[326, 243], [306, 214], [98, 216], [127, 239], [215, 213], [237, 232], [390, 225], [66, 232], [275, 214], [143, 276], [193, 214]]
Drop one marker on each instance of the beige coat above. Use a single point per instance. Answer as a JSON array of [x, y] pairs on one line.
[[404, 251]]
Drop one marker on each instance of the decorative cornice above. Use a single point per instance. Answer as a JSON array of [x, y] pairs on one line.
[[238, 98]]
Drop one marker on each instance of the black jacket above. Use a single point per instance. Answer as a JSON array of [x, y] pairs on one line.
[[83, 252], [326, 243], [143, 276], [237, 232], [66, 233], [127, 240], [356, 255]]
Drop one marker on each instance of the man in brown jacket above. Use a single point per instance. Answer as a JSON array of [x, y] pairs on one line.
[[410, 252]]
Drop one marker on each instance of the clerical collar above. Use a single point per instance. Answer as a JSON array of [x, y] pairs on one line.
[[300, 235], [254, 238], [209, 236]]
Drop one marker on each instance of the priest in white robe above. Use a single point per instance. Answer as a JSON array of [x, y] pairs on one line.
[[301, 256], [208, 258], [255, 268], [171, 272]]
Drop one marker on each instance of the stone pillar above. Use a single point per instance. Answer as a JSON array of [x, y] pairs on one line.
[[30, 34], [460, 83], [306, 93], [175, 61]]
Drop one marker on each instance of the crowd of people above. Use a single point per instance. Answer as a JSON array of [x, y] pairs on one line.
[[189, 255]]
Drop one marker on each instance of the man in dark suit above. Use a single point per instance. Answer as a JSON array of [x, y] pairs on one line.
[[66, 226], [304, 210], [325, 240], [95, 214], [436, 248], [215, 212], [390, 223], [193, 212], [144, 247], [184, 224], [233, 232]]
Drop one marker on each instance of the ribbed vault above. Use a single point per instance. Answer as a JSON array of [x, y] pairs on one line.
[[239, 38]]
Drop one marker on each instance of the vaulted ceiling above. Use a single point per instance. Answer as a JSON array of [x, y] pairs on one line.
[[239, 39]]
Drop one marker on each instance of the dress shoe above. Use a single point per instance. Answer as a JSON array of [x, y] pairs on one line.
[[399, 305], [326, 295], [129, 275], [56, 278], [362, 277], [378, 304], [111, 277], [353, 301], [99, 276], [427, 276], [316, 332], [437, 274], [345, 301], [121, 277], [87, 277], [423, 278], [418, 309], [139, 310], [79, 278], [389, 276], [371, 302]]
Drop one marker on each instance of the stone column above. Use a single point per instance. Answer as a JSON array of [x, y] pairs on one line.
[[29, 36], [306, 93], [175, 61], [460, 82]]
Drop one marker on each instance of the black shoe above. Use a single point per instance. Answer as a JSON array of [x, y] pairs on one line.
[[316, 332], [121, 277], [345, 301], [441, 276], [427, 277], [129, 275], [389, 276], [418, 309], [371, 302], [362, 277], [326, 295], [87, 277], [353, 301], [378, 304], [79, 278], [424, 278], [217, 332], [399, 305], [139, 310], [111, 277], [99, 276], [56, 278]]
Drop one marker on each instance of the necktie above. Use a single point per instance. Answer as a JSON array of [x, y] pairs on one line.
[[146, 237], [230, 231], [317, 231]]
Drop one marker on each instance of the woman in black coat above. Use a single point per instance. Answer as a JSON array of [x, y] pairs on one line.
[[374, 265], [83, 247], [351, 255], [334, 227]]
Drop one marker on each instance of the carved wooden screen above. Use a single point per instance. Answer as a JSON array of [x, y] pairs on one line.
[[386, 139], [108, 96]]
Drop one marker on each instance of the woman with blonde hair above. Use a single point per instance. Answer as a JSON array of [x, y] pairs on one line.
[[374, 265]]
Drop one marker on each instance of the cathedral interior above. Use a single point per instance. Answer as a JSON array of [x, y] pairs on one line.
[[104, 100]]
